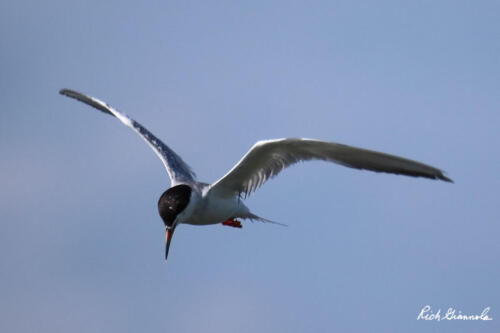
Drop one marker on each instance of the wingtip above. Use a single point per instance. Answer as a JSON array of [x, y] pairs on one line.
[[446, 179], [94, 102], [69, 93], [65, 91]]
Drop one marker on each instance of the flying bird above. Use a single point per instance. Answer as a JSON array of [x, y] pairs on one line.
[[192, 202]]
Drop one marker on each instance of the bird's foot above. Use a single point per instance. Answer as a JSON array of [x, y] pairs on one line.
[[232, 223]]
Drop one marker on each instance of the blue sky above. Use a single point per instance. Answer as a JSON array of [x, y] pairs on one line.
[[81, 246]]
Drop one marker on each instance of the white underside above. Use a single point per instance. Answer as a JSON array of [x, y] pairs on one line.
[[205, 209]]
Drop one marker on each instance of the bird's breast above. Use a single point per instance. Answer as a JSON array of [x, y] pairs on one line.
[[213, 210]]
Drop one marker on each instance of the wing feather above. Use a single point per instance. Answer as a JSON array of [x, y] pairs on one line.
[[177, 169], [268, 158]]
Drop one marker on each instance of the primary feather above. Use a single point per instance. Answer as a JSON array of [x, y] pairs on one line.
[[267, 158], [178, 171]]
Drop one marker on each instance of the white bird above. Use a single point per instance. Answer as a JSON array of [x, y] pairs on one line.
[[192, 202]]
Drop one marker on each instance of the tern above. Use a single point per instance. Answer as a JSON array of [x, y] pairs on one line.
[[192, 202]]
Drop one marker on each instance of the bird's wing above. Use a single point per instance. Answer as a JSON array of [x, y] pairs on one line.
[[178, 170], [267, 158]]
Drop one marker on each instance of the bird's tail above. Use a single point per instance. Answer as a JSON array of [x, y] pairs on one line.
[[254, 217]]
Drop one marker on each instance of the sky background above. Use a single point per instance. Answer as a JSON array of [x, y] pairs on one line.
[[82, 244]]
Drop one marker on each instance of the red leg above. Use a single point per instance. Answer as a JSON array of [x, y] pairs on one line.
[[232, 223]]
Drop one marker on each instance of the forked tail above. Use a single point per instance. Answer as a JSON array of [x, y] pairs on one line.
[[254, 217]]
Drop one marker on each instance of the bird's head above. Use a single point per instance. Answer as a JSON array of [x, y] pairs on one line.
[[172, 202]]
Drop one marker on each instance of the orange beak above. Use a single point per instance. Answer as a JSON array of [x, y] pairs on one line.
[[169, 232]]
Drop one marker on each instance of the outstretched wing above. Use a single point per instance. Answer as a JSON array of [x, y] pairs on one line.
[[267, 158], [178, 170]]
